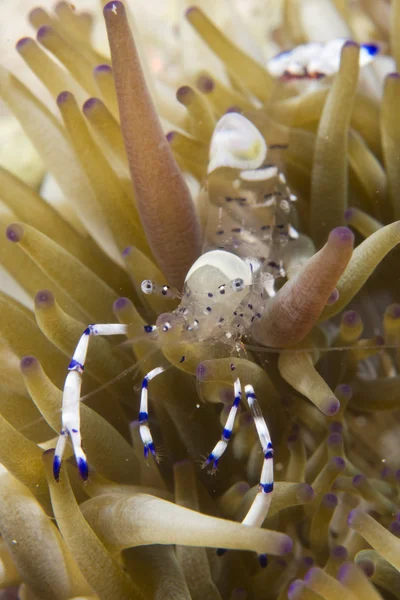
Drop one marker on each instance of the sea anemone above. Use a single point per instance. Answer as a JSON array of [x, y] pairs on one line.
[[125, 191]]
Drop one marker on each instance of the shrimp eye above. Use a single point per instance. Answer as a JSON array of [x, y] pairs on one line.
[[237, 284], [147, 286]]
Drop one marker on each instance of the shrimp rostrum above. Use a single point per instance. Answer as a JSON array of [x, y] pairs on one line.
[[224, 295]]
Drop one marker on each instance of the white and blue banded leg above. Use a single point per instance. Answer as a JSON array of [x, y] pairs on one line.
[[214, 456], [144, 428], [261, 503], [70, 417]]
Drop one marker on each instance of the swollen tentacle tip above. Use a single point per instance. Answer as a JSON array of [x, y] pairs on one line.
[[334, 297], [345, 571], [350, 43], [23, 42], [102, 69], [15, 232], [352, 516], [311, 573], [184, 93], [201, 371], [348, 214], [82, 468], [64, 97], [42, 31], [359, 479], [205, 84], [294, 588], [351, 318], [114, 7], [91, 103], [170, 136], [332, 405], [393, 311], [367, 566], [263, 560], [345, 390], [334, 439], [126, 252], [28, 363], [394, 528], [330, 501], [191, 11], [120, 303], [342, 234], [305, 493], [44, 299], [393, 76], [339, 463]]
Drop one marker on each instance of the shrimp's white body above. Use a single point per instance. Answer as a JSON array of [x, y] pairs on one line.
[[225, 291]]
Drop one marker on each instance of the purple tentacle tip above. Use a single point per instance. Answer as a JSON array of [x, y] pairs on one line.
[[350, 43], [170, 136], [348, 214], [334, 297], [120, 303], [63, 97], [27, 361], [22, 42], [351, 317], [14, 232], [334, 438], [332, 406], [190, 10], [339, 462], [295, 586], [287, 546], [393, 76], [394, 311], [330, 500], [367, 566], [90, 103], [358, 479], [205, 84], [127, 251], [351, 517], [345, 389], [103, 69], [201, 371], [43, 30], [335, 427], [114, 7], [344, 571], [44, 297], [343, 234], [310, 573], [340, 552], [394, 528]]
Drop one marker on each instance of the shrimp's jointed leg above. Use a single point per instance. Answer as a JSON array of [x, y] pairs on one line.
[[70, 417], [221, 446], [144, 428], [261, 503]]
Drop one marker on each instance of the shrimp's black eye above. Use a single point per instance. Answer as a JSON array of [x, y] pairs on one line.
[[237, 284]]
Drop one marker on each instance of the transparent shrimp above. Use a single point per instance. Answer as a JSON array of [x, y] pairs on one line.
[[225, 291], [315, 60]]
